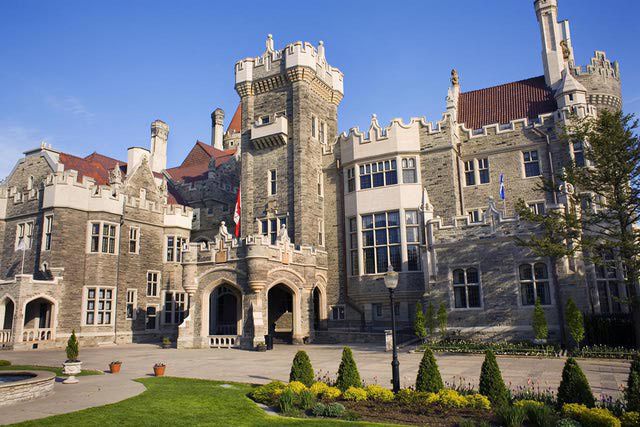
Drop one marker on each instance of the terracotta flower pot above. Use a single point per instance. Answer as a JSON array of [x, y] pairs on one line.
[[159, 370], [115, 367]]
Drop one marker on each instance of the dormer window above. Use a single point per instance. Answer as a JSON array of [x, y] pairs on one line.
[[264, 120]]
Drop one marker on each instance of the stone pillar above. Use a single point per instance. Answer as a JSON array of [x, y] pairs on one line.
[[188, 331], [254, 302], [217, 128]]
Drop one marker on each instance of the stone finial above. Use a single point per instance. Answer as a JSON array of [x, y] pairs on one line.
[[321, 49], [269, 43], [454, 77], [115, 175]]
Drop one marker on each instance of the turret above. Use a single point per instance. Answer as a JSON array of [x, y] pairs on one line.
[[556, 41]]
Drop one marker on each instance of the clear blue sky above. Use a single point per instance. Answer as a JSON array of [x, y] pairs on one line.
[[89, 75]]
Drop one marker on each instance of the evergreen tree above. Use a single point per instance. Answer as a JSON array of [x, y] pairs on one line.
[[301, 369], [430, 320], [491, 382], [429, 378], [419, 324], [539, 323], [72, 349], [632, 392], [612, 150], [442, 319], [575, 322], [574, 387], [348, 375]]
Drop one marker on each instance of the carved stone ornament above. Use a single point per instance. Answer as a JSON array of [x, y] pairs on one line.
[[115, 175], [454, 77], [566, 51]]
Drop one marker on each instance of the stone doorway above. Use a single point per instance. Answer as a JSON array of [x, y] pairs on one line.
[[316, 309], [38, 320], [280, 312], [7, 311], [224, 311]]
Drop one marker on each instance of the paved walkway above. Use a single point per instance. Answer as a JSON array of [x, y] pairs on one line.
[[605, 376]]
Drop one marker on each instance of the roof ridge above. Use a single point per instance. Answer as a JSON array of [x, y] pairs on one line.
[[504, 84]]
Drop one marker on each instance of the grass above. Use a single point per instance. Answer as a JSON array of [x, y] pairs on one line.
[[182, 401], [57, 371]]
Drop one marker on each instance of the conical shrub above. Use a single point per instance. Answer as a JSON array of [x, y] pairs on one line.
[[301, 369], [574, 387], [632, 392], [73, 348], [348, 375], [429, 378], [491, 382]]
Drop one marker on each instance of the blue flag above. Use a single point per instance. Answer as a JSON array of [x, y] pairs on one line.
[[502, 193]]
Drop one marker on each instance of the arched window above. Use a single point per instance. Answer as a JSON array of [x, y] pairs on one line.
[[30, 183], [466, 288], [534, 284]]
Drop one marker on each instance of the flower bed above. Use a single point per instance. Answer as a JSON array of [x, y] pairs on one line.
[[505, 348], [604, 352]]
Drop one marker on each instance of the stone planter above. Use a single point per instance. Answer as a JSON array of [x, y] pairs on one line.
[[71, 368], [158, 370], [114, 367]]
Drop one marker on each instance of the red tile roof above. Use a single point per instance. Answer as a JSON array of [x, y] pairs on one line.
[[236, 122], [501, 104], [196, 165]]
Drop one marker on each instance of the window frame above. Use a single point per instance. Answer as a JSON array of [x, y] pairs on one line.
[[375, 247], [341, 312], [151, 282], [155, 316], [469, 173], [534, 206], [413, 243], [100, 236], [353, 246], [24, 230], [270, 231], [175, 249], [136, 240], [409, 168], [272, 182], [96, 305], [47, 232], [526, 162], [351, 179], [534, 281], [466, 285], [131, 302], [173, 312], [369, 172]]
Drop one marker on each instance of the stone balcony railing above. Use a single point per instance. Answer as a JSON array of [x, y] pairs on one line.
[[6, 336], [270, 134], [39, 334]]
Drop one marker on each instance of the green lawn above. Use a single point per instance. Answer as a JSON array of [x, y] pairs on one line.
[[57, 371], [181, 401]]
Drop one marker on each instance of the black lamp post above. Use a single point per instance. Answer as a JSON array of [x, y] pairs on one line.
[[391, 282]]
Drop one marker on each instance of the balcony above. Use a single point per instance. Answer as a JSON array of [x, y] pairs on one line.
[[272, 134]]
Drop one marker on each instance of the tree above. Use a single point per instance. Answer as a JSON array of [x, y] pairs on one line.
[[430, 320], [575, 322], [539, 323], [301, 369], [442, 319], [491, 382], [429, 378], [574, 387], [612, 178], [419, 324], [348, 375], [632, 392], [557, 236], [72, 349]]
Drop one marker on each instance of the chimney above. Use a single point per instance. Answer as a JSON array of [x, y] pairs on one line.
[[217, 130], [159, 136], [135, 156]]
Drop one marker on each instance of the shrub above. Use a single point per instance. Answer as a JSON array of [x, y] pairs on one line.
[[574, 387], [429, 378], [491, 383], [318, 388], [5, 363], [355, 393], [575, 322], [430, 319], [331, 393], [348, 375], [540, 415], [307, 399], [419, 323], [630, 419], [447, 398], [301, 369], [378, 393], [72, 349], [296, 387], [539, 323], [319, 409], [268, 393], [334, 410], [567, 422], [442, 319], [511, 416], [590, 417], [405, 396], [287, 401], [632, 392], [477, 401]]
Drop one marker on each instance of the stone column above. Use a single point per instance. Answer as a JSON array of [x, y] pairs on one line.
[[187, 336], [254, 302]]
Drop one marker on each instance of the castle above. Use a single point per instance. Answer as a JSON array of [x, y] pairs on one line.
[[135, 251]]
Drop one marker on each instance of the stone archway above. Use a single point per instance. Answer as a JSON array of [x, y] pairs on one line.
[[39, 319], [280, 313], [225, 311], [7, 313]]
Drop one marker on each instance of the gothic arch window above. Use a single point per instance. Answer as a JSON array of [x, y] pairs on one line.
[[534, 283]]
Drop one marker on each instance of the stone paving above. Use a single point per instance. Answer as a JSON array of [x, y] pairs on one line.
[[605, 376]]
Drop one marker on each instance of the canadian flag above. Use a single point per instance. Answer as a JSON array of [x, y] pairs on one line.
[[236, 214]]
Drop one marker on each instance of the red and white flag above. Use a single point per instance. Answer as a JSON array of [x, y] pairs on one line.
[[236, 214]]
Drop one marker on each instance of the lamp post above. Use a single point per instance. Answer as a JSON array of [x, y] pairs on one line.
[[391, 282]]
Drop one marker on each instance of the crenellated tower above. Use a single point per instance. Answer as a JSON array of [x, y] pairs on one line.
[[289, 100]]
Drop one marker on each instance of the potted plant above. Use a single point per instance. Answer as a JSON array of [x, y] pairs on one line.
[[158, 369], [166, 342], [114, 366], [72, 366]]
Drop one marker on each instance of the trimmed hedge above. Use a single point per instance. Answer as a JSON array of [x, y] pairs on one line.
[[574, 387], [301, 369], [348, 375], [491, 382], [429, 378], [590, 417], [632, 392]]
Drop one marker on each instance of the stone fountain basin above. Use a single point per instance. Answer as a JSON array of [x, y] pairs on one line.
[[25, 385]]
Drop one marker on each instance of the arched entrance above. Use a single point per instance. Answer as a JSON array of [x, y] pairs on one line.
[[280, 313], [224, 311], [316, 309], [38, 320], [7, 311]]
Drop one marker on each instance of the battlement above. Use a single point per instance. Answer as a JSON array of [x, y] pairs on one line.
[[599, 65], [178, 216], [543, 120], [297, 54]]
